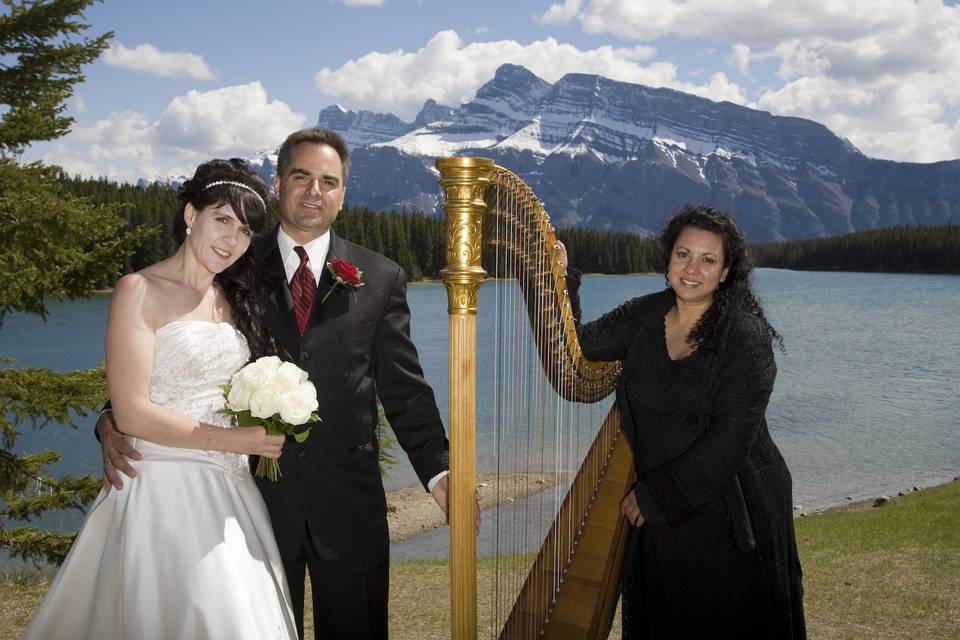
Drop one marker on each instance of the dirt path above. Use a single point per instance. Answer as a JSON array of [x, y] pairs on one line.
[[413, 511]]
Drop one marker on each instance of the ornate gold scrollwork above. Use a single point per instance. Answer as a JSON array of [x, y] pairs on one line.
[[463, 181]]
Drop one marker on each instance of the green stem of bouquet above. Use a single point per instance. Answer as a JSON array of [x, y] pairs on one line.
[[269, 468]]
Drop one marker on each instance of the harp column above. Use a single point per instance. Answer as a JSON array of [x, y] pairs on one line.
[[463, 181]]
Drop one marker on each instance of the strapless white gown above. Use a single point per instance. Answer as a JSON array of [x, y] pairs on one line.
[[185, 549]]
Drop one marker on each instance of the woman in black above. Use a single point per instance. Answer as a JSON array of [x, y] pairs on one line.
[[714, 553]]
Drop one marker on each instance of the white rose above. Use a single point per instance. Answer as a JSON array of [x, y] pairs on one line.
[[263, 403], [289, 376], [270, 363], [239, 397], [296, 406], [254, 375], [308, 388]]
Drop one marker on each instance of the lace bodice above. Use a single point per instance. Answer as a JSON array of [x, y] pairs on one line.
[[192, 359]]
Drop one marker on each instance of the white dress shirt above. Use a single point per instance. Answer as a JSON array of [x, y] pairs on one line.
[[317, 250]]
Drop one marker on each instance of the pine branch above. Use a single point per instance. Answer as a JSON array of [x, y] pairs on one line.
[[32, 543]]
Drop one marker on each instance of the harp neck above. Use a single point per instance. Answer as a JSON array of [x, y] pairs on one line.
[[481, 196]]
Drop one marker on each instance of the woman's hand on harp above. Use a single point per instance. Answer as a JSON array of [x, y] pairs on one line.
[[631, 510], [558, 248]]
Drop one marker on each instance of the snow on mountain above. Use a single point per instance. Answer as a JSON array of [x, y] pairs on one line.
[[624, 156], [617, 155]]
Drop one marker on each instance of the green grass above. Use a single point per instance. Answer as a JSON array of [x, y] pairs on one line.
[[885, 573], [879, 574], [420, 600]]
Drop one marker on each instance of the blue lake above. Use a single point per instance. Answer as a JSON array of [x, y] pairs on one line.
[[865, 402]]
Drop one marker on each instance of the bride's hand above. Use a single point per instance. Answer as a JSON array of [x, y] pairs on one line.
[[250, 440]]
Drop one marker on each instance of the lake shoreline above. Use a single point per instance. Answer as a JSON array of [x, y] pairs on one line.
[[862, 405], [412, 512]]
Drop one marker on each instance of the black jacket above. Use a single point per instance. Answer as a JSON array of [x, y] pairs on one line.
[[356, 348], [733, 456]]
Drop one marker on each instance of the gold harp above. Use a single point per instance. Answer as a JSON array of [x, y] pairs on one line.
[[572, 584]]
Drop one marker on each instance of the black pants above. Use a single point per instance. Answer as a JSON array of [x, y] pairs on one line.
[[349, 601]]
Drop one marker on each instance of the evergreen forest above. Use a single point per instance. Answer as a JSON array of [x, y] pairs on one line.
[[891, 250], [415, 240]]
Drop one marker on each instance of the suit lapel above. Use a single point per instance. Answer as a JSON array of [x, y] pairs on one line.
[[337, 298]]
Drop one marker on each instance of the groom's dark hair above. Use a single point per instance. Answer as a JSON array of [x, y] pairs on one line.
[[314, 135]]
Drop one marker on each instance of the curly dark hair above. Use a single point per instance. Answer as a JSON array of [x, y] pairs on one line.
[[734, 293], [238, 282]]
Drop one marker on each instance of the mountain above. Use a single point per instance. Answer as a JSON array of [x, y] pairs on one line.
[[614, 155]]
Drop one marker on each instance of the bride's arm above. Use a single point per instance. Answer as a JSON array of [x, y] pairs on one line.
[[129, 355]]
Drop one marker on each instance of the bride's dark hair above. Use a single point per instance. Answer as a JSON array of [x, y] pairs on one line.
[[239, 282]]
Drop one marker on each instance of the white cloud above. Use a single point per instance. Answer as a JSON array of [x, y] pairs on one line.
[[479, 31], [231, 120], [752, 22], [63, 156], [362, 3], [450, 72], [123, 146], [562, 13], [226, 122], [79, 104], [886, 118], [148, 59], [739, 58], [120, 131], [719, 88], [883, 73], [120, 146]]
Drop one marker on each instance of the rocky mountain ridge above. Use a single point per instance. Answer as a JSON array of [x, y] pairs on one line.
[[621, 156]]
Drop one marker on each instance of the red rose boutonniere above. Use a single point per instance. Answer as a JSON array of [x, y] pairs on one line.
[[345, 274]]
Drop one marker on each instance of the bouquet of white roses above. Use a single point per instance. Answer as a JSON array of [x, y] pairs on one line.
[[275, 394]]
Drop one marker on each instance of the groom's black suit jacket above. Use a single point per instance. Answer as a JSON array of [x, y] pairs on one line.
[[356, 348]]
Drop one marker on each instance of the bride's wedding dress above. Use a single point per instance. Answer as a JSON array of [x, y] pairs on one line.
[[185, 549]]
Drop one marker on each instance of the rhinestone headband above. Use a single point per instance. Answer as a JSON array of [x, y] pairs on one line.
[[238, 184]]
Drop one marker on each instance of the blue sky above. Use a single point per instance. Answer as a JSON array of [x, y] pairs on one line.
[[185, 81]]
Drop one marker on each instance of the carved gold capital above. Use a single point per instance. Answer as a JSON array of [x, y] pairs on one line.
[[462, 297], [463, 181]]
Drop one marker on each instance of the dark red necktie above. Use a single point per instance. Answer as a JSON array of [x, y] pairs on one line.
[[303, 288]]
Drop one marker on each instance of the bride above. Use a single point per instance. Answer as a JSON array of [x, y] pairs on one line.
[[185, 549]]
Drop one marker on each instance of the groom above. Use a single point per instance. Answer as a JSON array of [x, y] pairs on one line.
[[328, 509]]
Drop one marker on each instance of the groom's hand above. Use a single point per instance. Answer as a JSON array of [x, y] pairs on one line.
[[116, 452], [442, 497]]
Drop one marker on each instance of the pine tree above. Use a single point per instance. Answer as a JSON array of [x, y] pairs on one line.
[[894, 249], [52, 244]]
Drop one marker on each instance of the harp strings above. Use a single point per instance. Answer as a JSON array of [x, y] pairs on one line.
[[539, 438]]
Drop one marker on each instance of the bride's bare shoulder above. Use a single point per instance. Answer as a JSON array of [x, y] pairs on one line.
[[149, 281], [141, 295], [131, 285]]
